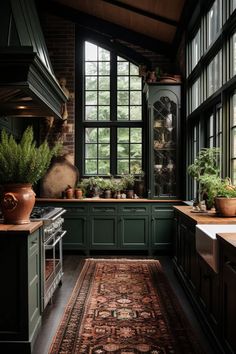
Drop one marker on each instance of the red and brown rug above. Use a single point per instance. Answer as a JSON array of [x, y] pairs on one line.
[[123, 307]]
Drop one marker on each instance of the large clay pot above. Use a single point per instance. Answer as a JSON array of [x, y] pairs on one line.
[[17, 202], [225, 206]]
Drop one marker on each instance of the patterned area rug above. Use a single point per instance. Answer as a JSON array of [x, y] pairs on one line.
[[123, 307]]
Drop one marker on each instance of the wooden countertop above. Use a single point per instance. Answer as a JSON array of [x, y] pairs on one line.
[[103, 200], [229, 238], [204, 218], [21, 229]]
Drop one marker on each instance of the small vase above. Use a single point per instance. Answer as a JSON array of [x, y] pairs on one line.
[[69, 193], [17, 203], [78, 193]]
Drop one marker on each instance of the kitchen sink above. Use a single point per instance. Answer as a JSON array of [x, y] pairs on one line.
[[207, 243]]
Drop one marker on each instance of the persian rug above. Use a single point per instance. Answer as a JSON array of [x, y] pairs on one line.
[[123, 307]]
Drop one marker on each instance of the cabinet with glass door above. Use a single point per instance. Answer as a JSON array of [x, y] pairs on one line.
[[163, 101]]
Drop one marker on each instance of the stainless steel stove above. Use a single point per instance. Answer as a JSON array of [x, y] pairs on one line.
[[51, 248]]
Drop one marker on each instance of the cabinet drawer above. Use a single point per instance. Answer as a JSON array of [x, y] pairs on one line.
[[134, 209], [165, 213], [103, 209], [76, 211], [33, 243]]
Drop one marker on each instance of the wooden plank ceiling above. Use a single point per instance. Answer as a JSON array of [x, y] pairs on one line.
[[157, 20]]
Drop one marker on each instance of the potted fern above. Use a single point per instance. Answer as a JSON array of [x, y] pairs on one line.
[[21, 166]]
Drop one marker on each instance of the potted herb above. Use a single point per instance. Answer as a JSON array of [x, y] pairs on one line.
[[21, 166], [92, 186], [139, 185], [128, 184]]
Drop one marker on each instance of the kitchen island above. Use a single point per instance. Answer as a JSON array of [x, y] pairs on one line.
[[20, 297]]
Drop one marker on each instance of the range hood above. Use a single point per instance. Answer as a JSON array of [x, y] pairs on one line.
[[28, 87]]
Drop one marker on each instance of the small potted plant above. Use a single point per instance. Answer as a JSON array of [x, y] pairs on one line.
[[106, 187], [139, 185], [128, 184]]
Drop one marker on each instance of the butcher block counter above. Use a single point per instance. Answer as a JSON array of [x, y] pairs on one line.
[[25, 229], [209, 217]]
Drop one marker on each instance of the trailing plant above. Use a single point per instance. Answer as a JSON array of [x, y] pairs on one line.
[[24, 162]]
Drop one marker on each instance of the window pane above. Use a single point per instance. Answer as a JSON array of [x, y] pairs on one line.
[[103, 54], [103, 167], [91, 167], [91, 97], [234, 142], [195, 50], [104, 113], [91, 135], [135, 165], [90, 51], [104, 97], [122, 112], [104, 135], [123, 98], [214, 74], [104, 68], [91, 68], [135, 150], [135, 97], [122, 166], [123, 135], [233, 61], [135, 83], [135, 113], [233, 113], [123, 68], [233, 5], [134, 69], [136, 135], [122, 82], [91, 83], [214, 21], [91, 150], [234, 171], [195, 95], [91, 112], [104, 83], [123, 150], [104, 150]]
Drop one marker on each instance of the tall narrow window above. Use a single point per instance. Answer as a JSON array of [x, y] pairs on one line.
[[233, 138], [214, 21], [112, 123], [214, 74]]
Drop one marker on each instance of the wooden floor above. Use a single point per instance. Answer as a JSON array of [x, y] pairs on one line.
[[72, 266]]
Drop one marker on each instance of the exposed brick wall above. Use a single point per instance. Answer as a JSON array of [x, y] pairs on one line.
[[60, 40]]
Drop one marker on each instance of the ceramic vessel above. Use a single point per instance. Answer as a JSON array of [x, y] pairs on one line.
[[225, 206]]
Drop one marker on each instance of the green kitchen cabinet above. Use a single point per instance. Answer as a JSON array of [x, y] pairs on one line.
[[102, 233], [20, 297], [134, 226], [162, 227], [75, 223]]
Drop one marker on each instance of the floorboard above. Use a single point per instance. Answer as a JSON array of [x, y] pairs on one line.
[[72, 266]]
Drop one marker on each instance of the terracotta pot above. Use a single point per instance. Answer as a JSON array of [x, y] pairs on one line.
[[69, 193], [225, 206], [78, 193], [17, 202]]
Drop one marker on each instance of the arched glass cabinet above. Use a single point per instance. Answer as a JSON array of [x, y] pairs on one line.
[[163, 102]]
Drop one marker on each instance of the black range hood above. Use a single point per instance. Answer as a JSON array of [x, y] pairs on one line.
[[28, 87]]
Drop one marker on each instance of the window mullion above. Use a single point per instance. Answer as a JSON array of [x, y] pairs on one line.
[[113, 117]]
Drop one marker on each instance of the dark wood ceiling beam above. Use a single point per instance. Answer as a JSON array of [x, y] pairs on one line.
[[110, 44], [109, 29], [142, 12]]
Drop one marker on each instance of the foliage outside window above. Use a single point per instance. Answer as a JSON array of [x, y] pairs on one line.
[[112, 114]]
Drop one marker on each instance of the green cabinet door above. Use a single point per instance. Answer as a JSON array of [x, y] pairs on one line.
[[133, 232], [162, 228], [75, 223], [103, 232]]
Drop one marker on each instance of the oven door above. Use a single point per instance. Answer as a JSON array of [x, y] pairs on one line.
[[52, 264]]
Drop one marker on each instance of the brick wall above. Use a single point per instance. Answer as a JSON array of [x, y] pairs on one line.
[[60, 40]]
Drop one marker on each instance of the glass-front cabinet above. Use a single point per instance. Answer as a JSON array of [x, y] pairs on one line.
[[163, 102]]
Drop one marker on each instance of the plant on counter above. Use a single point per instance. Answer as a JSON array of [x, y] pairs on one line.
[[91, 186], [206, 163], [21, 165], [24, 162]]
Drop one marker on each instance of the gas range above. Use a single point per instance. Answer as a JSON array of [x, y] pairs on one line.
[[46, 213]]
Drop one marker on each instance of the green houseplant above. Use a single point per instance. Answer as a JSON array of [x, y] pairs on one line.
[[21, 165], [206, 163]]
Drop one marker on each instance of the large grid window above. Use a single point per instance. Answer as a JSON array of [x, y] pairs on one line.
[[112, 123]]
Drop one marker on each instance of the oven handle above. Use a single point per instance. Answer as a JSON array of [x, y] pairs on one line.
[[48, 247]]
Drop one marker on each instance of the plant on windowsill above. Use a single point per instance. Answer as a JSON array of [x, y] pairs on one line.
[[21, 165], [128, 184], [139, 185], [92, 186]]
